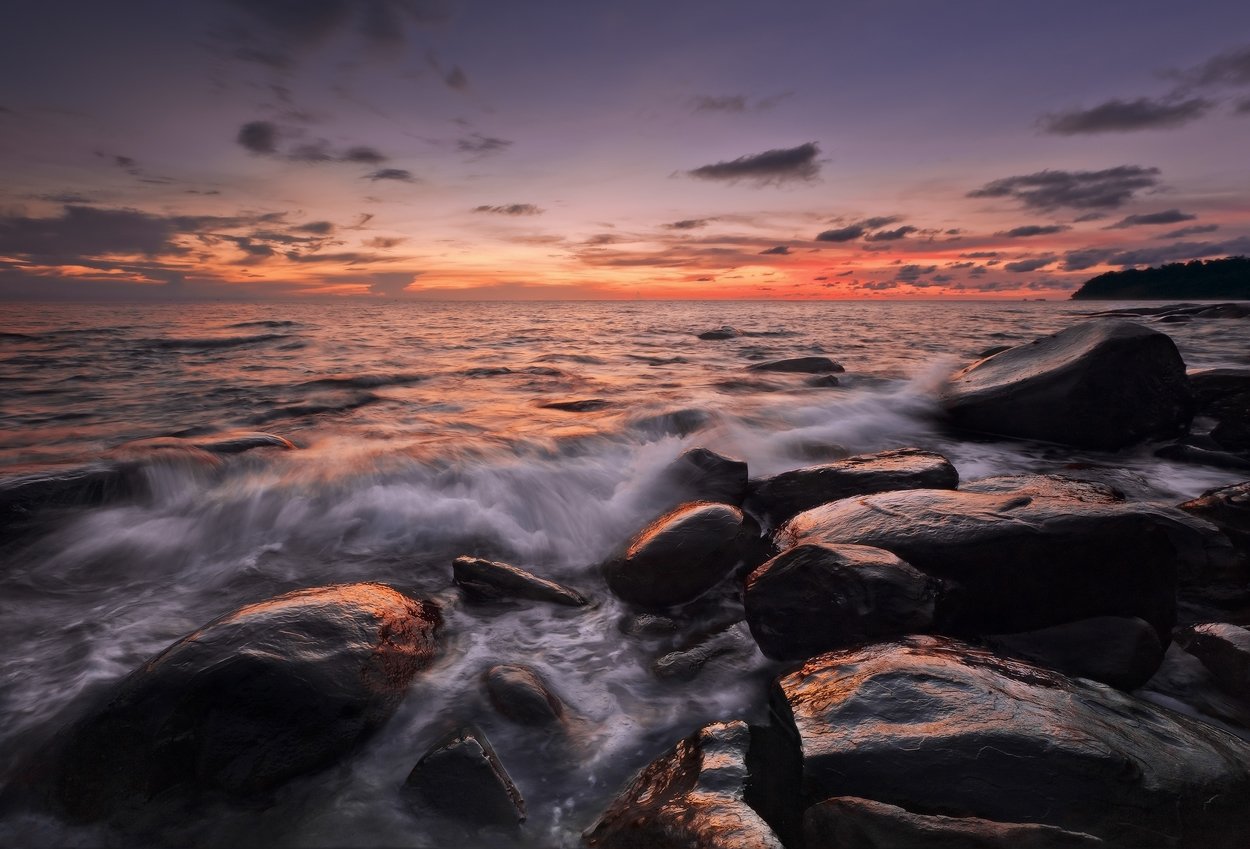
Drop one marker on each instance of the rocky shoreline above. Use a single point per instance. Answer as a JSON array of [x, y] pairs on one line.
[[979, 663]]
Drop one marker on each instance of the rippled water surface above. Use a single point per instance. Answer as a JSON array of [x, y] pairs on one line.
[[422, 433]]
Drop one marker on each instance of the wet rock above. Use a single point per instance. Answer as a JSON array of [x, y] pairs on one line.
[[587, 405], [1048, 486], [1227, 582], [673, 423], [648, 625], [703, 475], [941, 728], [681, 555], [992, 350], [26, 499], [1103, 385], [1228, 508], [271, 691], [1203, 456], [686, 663], [800, 365], [822, 381], [815, 597], [1119, 651], [521, 695], [722, 332], [1024, 561], [779, 497], [487, 371], [488, 581], [461, 777], [1185, 685], [237, 443], [1224, 650], [690, 798], [850, 823]]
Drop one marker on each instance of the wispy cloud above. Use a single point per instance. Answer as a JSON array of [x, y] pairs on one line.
[[1168, 216], [510, 209], [1048, 190], [781, 165], [1126, 116]]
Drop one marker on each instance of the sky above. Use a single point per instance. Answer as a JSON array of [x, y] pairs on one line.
[[488, 149]]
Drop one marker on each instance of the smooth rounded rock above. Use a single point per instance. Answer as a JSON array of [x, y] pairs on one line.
[[1123, 652], [488, 580], [800, 365], [461, 777], [521, 695]]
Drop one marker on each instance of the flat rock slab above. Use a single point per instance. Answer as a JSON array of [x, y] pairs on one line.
[[488, 580], [938, 727], [1103, 385], [461, 778], [800, 365]]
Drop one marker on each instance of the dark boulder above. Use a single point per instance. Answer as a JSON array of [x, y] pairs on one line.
[[1023, 559], [686, 662], [274, 690], [1185, 453], [521, 695], [681, 555], [1228, 508], [850, 823], [27, 500], [815, 597], [489, 581], [1224, 650], [702, 475], [692, 797], [1047, 486], [941, 728], [779, 497], [1119, 651], [822, 381], [800, 365], [720, 333], [461, 778], [1103, 385], [1227, 582]]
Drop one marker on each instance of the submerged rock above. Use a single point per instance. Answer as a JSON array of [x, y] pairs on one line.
[[681, 555], [25, 498], [1024, 559], [461, 777], [779, 497], [692, 797], [488, 580], [845, 822], [720, 333], [816, 597], [521, 695], [1104, 385], [800, 365], [941, 728], [1120, 651], [266, 693], [687, 662]]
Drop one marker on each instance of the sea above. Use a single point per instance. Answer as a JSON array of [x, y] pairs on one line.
[[422, 431]]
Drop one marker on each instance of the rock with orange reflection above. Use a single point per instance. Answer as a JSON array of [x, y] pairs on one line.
[[779, 497], [271, 691], [938, 727], [1027, 558], [800, 365], [815, 597], [692, 797], [849, 823], [488, 580], [681, 555]]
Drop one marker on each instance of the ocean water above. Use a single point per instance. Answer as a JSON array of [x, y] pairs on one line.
[[421, 433]]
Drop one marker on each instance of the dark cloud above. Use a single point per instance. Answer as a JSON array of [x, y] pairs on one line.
[[383, 242], [1231, 68], [689, 224], [1084, 258], [363, 154], [1168, 216], [1125, 116], [1243, 107], [1033, 230], [1029, 264], [456, 78], [841, 234], [259, 137], [392, 283], [1179, 251], [1047, 190], [1196, 230], [401, 175], [880, 221], [1089, 216], [481, 145], [890, 235], [980, 255], [318, 228], [84, 231], [510, 209], [912, 273], [728, 103], [776, 166], [780, 250]]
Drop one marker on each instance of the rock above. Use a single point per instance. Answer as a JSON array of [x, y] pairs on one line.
[[689, 798], [461, 777], [521, 695], [681, 555], [814, 597], [672, 423], [722, 332], [271, 691], [941, 728], [1185, 685], [1227, 582], [686, 663], [1201, 456], [822, 381], [26, 499], [992, 350], [1228, 508], [703, 475], [1225, 651], [800, 365], [1047, 486], [488, 580], [779, 497], [1103, 385], [587, 405], [1120, 651], [1024, 560], [849, 823], [1233, 433], [237, 443]]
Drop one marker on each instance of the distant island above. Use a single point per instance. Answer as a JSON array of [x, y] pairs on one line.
[[1213, 278]]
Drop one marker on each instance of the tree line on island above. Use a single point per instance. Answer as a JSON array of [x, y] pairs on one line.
[[1212, 278]]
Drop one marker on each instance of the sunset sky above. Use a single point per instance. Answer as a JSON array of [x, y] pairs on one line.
[[676, 149]]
